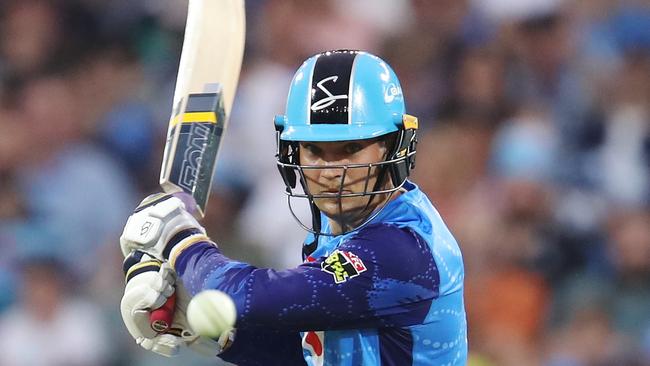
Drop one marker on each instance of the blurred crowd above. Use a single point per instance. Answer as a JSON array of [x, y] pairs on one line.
[[534, 146]]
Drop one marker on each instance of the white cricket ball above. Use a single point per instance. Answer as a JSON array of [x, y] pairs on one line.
[[211, 312]]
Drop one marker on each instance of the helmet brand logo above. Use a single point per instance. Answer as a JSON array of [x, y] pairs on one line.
[[330, 98], [392, 91]]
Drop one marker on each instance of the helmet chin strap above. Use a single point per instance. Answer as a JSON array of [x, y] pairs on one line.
[[307, 249]]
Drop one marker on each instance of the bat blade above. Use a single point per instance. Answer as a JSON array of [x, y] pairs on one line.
[[213, 48], [211, 58]]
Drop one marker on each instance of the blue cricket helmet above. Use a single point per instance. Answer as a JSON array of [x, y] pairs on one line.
[[345, 95], [342, 95]]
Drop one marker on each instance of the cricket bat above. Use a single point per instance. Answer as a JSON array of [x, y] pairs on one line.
[[211, 58]]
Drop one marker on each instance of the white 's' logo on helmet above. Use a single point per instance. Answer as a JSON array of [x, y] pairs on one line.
[[330, 98], [391, 92]]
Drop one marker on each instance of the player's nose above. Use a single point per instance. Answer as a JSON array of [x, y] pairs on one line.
[[333, 171]]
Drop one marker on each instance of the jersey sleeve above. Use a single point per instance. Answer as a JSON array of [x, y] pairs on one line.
[[263, 347], [381, 276]]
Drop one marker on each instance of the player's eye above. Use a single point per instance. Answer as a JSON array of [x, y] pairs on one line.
[[312, 149], [352, 148]]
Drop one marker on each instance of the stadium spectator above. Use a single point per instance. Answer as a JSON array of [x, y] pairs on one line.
[[48, 326]]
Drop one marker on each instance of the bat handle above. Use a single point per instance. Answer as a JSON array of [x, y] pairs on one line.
[[161, 319], [188, 201]]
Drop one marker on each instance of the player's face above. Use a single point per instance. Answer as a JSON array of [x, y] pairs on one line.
[[331, 179]]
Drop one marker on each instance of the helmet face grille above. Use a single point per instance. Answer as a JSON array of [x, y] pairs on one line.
[[291, 172], [299, 170], [330, 85], [341, 216]]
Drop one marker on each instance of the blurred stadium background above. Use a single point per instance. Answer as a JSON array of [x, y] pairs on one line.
[[535, 147]]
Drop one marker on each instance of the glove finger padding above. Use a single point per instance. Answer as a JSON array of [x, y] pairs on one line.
[[167, 344], [149, 284], [164, 344]]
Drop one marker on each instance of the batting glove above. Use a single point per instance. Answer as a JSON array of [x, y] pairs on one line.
[[149, 283], [157, 223]]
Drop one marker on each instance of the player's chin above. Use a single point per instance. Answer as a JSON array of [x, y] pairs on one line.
[[346, 209]]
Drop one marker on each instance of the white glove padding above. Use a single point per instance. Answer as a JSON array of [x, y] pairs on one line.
[[148, 289], [149, 283], [156, 220]]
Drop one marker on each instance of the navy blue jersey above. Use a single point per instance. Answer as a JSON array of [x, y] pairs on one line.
[[390, 293]]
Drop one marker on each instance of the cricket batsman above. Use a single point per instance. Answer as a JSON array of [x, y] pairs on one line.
[[382, 277]]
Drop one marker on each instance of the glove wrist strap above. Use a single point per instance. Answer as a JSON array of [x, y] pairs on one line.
[[179, 237]]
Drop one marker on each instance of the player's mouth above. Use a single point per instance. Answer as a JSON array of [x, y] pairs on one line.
[[336, 191]]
